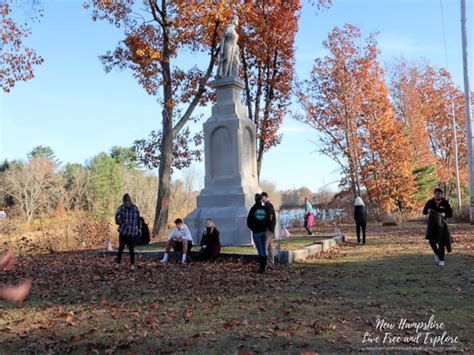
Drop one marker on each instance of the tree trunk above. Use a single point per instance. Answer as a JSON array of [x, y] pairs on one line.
[[164, 178]]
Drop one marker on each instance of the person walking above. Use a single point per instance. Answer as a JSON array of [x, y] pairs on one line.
[[437, 231], [360, 217], [128, 219], [258, 221], [270, 232]]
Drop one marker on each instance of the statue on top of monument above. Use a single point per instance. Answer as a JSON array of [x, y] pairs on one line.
[[229, 54]]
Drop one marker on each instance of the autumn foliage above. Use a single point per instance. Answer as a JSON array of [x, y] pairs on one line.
[[16, 59], [347, 100], [425, 100]]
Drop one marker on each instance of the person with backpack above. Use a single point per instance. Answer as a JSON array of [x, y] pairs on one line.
[[144, 237], [258, 221]]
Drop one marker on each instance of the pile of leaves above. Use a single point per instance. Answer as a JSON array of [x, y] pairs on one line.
[[80, 303]]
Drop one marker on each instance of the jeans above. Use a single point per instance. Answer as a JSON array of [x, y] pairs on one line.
[[260, 240], [270, 251], [359, 227], [438, 249], [128, 240]]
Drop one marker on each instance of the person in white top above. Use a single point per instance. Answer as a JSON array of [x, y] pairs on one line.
[[180, 239]]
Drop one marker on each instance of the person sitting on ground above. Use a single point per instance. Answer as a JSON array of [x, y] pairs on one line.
[[13, 293], [128, 219], [144, 237], [210, 243], [180, 239], [437, 231]]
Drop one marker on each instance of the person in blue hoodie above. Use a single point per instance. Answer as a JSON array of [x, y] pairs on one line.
[[258, 221]]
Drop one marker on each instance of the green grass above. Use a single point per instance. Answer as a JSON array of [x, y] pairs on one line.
[[325, 304], [291, 243]]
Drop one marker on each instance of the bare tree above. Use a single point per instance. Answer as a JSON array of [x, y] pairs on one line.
[[29, 185]]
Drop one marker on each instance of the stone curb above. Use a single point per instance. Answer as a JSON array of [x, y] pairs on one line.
[[283, 256]]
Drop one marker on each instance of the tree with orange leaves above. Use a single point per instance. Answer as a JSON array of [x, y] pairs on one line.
[[16, 60], [346, 99], [268, 56], [426, 96], [157, 34]]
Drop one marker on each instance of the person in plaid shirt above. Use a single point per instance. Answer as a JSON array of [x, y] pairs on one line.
[[128, 219]]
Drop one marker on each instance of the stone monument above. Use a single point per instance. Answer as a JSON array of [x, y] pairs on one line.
[[231, 179]]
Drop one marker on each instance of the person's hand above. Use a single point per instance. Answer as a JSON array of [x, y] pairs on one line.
[[7, 260], [16, 293]]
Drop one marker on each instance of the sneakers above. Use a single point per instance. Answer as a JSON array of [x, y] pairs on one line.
[[132, 268], [163, 261], [436, 259], [117, 266], [441, 263]]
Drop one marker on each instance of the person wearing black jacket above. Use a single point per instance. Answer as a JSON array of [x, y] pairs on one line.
[[258, 221], [210, 243], [360, 217], [270, 231], [437, 231]]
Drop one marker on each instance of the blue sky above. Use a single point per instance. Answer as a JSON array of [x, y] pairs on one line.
[[76, 108]]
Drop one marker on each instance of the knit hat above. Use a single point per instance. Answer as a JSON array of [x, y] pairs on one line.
[[359, 201]]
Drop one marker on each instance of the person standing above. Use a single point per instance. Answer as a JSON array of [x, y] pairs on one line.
[[210, 243], [270, 232], [180, 239], [258, 221], [308, 216], [360, 217], [437, 231], [128, 219]]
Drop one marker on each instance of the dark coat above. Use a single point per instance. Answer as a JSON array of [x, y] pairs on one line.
[[360, 214], [258, 219], [437, 230], [443, 206], [211, 242]]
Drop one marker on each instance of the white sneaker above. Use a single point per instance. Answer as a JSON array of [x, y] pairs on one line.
[[132, 268], [183, 261], [163, 261], [436, 259], [441, 263]]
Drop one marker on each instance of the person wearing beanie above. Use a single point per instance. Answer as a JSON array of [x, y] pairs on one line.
[[258, 221], [360, 217]]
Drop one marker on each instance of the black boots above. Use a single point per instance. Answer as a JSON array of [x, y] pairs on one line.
[[263, 264]]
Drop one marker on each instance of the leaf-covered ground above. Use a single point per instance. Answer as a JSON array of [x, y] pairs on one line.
[[80, 304]]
